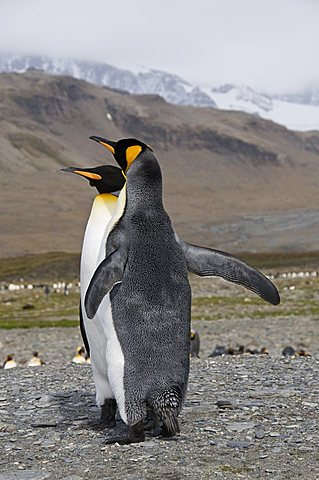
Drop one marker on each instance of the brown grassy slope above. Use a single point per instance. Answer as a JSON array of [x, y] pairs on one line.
[[231, 180]]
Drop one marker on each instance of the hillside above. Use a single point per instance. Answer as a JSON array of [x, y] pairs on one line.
[[299, 111], [231, 180]]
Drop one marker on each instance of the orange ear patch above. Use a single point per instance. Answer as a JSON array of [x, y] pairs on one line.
[[131, 154]]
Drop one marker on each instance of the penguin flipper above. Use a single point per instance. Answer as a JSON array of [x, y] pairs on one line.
[[207, 262], [83, 332], [107, 274]]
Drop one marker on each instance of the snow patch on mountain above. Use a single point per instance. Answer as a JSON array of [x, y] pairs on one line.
[[242, 98]]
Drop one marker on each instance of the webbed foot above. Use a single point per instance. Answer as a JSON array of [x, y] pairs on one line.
[[135, 434]]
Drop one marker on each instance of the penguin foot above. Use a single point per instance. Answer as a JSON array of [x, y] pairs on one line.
[[135, 435], [151, 421], [152, 426], [154, 432], [100, 425], [120, 440], [107, 419]]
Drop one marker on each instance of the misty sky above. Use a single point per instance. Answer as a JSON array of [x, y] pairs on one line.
[[271, 45]]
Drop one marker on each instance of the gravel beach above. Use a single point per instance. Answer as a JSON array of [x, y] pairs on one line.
[[246, 416]]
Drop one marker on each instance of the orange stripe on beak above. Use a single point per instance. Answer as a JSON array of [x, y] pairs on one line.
[[93, 176]]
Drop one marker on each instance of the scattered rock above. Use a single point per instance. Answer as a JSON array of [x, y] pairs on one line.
[[225, 403], [240, 426], [7, 427], [238, 444]]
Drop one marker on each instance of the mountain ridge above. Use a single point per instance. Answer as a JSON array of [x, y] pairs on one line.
[[231, 180], [287, 110]]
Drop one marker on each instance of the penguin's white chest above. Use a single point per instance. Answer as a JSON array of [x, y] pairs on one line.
[[103, 208], [106, 354]]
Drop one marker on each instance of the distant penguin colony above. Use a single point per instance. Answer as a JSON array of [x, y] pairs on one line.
[[136, 297]]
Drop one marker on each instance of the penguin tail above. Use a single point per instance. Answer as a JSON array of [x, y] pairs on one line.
[[170, 424], [167, 405]]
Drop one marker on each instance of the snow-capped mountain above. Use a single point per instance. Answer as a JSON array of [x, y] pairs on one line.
[[144, 81], [295, 116], [297, 112]]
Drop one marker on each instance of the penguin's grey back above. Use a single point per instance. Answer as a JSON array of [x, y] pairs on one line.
[[151, 306]]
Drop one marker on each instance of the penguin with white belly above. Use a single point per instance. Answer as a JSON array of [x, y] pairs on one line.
[[108, 180], [145, 274], [148, 330]]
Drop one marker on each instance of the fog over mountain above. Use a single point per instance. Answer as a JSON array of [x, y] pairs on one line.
[[270, 45]]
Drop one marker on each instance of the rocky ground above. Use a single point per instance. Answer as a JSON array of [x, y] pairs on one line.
[[246, 416]]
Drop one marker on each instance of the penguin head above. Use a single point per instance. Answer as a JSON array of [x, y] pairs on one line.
[[125, 151], [105, 178]]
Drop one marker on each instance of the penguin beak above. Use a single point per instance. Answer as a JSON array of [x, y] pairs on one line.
[[106, 143], [83, 173]]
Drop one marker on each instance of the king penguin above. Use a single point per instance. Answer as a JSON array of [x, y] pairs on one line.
[[146, 274], [9, 362], [35, 361], [109, 181], [144, 271]]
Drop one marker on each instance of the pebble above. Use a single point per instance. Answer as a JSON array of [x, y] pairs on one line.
[[225, 403], [240, 426], [213, 442], [239, 444], [149, 444], [7, 427]]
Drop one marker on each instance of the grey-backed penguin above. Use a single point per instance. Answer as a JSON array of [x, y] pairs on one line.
[[108, 180], [148, 362], [150, 302]]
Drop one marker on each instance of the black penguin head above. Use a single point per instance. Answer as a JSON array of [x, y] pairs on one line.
[[125, 151], [105, 178]]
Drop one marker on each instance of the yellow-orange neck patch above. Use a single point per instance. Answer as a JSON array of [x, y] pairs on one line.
[[131, 154]]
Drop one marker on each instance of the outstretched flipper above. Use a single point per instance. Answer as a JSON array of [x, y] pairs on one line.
[[207, 262], [107, 274]]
